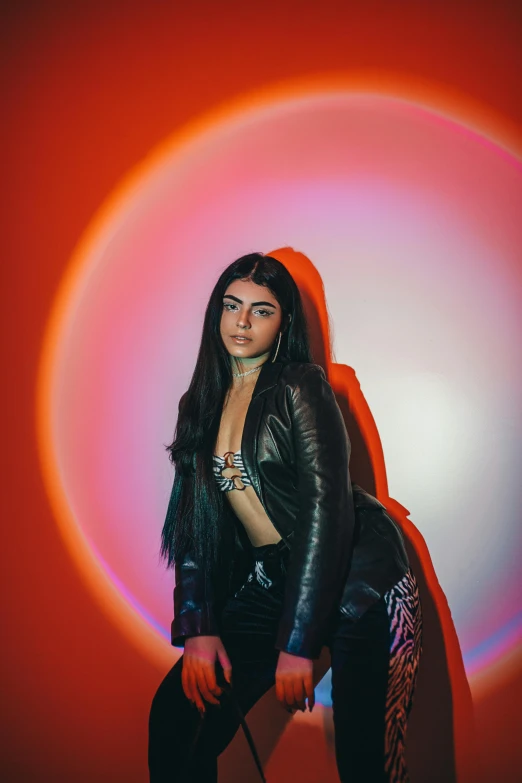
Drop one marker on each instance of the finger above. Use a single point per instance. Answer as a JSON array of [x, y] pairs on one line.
[[194, 690], [299, 693], [207, 675], [280, 694], [283, 691], [289, 692], [225, 665], [310, 692], [201, 682], [210, 679], [184, 681], [280, 690]]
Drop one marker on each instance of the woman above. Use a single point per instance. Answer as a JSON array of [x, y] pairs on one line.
[[276, 552]]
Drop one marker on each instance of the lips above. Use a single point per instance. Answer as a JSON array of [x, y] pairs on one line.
[[241, 338]]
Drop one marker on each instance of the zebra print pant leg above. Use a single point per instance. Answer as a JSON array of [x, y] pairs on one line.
[[405, 614]]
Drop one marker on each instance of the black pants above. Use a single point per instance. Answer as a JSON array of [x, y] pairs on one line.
[[374, 666]]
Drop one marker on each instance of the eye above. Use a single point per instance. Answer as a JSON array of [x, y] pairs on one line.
[[227, 305], [264, 313]]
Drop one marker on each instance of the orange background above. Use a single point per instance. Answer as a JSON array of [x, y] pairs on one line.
[[90, 89]]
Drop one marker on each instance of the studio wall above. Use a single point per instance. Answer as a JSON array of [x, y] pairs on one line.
[[123, 118]]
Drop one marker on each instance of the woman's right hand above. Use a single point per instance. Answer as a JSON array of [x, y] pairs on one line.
[[198, 674]]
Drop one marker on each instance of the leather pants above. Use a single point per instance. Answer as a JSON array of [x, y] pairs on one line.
[[374, 664]]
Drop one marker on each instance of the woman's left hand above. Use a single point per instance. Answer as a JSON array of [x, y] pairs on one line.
[[294, 682]]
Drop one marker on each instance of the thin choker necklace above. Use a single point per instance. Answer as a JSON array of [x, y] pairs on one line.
[[242, 374]]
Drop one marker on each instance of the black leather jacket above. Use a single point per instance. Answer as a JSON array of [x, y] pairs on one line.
[[346, 552]]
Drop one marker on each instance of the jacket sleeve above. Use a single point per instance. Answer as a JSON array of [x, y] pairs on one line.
[[193, 604], [322, 543], [193, 611]]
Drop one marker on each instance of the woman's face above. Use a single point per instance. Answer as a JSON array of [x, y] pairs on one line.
[[252, 311]]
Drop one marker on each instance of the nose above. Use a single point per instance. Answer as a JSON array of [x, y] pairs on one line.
[[243, 321]]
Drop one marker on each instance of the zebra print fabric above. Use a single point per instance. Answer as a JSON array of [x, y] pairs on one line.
[[404, 611]]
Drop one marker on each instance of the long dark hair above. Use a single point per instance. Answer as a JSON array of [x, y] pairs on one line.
[[196, 505]]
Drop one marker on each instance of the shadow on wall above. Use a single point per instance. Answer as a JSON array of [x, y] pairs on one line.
[[441, 726]]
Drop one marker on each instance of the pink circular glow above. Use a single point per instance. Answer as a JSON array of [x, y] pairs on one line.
[[413, 222]]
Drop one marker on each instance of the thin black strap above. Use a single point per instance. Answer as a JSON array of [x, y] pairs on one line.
[[227, 688]]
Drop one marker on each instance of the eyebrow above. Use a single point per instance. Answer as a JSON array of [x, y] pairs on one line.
[[254, 304]]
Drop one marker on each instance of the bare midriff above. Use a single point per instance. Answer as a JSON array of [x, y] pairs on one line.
[[245, 503]]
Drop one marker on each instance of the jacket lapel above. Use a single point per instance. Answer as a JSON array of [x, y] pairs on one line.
[[267, 378]]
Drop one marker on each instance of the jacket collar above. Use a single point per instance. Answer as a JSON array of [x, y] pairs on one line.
[[268, 377]]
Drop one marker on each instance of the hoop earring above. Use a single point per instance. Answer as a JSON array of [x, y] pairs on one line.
[[278, 344]]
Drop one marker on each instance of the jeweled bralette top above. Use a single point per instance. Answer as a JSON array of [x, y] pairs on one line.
[[237, 480]]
